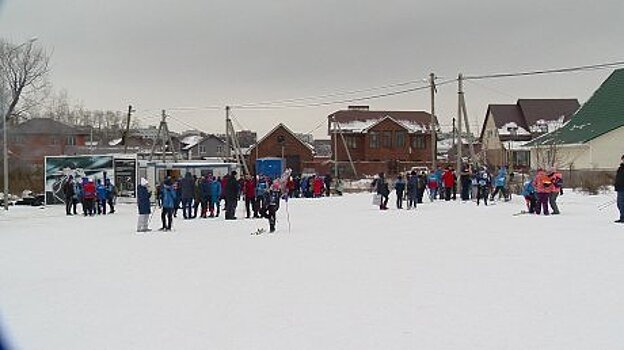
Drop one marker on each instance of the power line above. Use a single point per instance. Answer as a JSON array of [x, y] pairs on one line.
[[546, 71], [334, 94], [356, 99]]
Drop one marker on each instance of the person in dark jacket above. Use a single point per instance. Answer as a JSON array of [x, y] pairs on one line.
[[412, 190], [68, 190], [187, 192], [231, 196], [399, 187], [204, 194], [383, 190], [144, 206], [111, 195], [328, 180], [465, 180], [619, 188], [271, 204]]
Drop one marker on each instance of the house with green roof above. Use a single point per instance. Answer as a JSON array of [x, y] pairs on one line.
[[593, 139]]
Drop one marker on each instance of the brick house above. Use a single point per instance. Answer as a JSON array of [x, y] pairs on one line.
[[36, 138], [507, 128], [388, 141], [281, 142]]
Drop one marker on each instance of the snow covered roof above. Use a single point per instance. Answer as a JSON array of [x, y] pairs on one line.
[[360, 121], [190, 141]]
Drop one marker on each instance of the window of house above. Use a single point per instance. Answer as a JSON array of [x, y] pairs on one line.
[[373, 139], [54, 140], [400, 139], [419, 142], [522, 158], [351, 142], [71, 140], [202, 149], [19, 140], [387, 139], [219, 149]]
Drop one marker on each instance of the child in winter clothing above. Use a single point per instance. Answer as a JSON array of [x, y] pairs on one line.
[[528, 191], [556, 190], [168, 197], [484, 179], [499, 183], [271, 204]]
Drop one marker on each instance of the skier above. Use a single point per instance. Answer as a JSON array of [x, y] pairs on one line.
[[383, 190], [399, 187], [143, 204], [412, 190], [499, 183], [542, 186], [484, 180], [168, 200], [271, 204], [464, 178], [556, 190], [528, 191], [231, 196], [68, 190], [619, 188]]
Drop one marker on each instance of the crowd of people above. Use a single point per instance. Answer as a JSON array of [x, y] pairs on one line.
[[204, 196], [94, 197], [442, 184]]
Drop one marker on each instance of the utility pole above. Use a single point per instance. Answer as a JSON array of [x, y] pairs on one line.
[[433, 127], [164, 136], [460, 97], [333, 123], [228, 150], [125, 136]]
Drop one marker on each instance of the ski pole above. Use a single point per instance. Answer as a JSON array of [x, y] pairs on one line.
[[606, 204]]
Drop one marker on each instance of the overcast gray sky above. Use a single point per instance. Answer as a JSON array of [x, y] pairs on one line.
[[159, 54]]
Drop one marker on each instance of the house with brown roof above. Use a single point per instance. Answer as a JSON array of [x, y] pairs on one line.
[[388, 141], [281, 142], [508, 127]]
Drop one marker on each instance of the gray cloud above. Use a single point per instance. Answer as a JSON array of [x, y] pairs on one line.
[[158, 54]]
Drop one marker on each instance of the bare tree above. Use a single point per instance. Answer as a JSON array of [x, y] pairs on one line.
[[23, 73]]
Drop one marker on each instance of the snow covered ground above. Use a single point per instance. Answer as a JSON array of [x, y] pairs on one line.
[[347, 276]]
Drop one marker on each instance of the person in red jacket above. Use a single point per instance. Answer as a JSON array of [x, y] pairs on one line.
[[249, 191], [89, 195], [448, 180], [317, 186]]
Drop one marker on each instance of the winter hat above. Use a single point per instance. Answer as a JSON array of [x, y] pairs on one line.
[[144, 182]]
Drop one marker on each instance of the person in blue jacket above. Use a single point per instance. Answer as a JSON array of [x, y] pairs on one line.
[[215, 196], [499, 183], [399, 187], [528, 192], [168, 197], [102, 194], [144, 206], [204, 195]]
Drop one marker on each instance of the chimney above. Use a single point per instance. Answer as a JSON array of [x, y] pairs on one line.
[[358, 108]]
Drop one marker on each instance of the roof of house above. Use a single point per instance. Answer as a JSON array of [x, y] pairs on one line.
[[195, 140], [359, 121], [527, 115], [47, 126], [602, 113], [277, 127]]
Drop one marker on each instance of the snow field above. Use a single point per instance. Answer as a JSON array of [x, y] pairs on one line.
[[347, 276]]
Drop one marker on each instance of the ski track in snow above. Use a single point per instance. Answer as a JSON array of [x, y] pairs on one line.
[[347, 276]]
